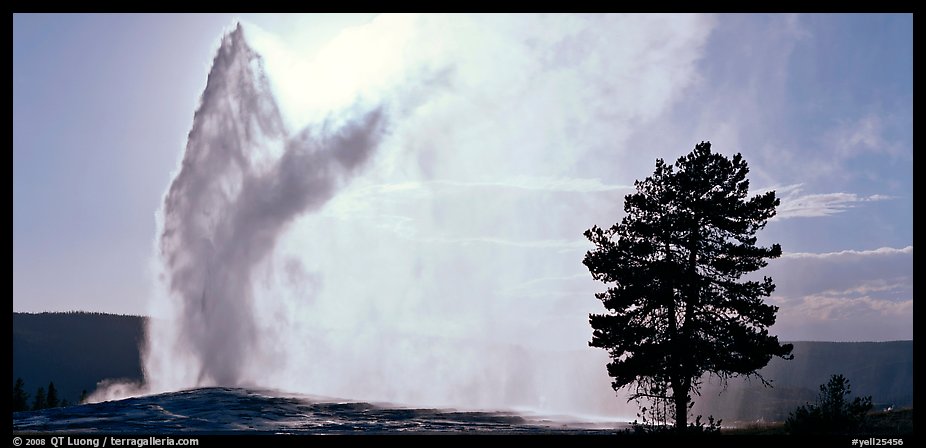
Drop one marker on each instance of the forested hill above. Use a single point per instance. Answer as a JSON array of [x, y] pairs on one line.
[[75, 350]]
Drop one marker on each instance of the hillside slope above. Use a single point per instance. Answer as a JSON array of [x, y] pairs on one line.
[[75, 350]]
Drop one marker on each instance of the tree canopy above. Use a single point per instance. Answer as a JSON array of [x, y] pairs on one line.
[[680, 303]]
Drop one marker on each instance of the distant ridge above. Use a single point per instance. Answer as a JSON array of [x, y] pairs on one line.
[[78, 349], [883, 370]]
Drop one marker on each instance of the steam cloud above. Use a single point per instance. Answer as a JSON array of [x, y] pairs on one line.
[[343, 260]]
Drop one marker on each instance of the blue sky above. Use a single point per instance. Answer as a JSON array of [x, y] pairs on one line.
[[542, 133]]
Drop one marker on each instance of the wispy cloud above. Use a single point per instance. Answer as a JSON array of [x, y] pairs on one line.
[[863, 135], [846, 253], [539, 184], [558, 285], [558, 245], [795, 204], [408, 209]]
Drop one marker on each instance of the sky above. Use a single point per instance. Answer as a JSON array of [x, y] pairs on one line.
[[507, 137]]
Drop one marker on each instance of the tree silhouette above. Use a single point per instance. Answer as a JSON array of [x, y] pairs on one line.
[[678, 306], [40, 400], [51, 399], [20, 397]]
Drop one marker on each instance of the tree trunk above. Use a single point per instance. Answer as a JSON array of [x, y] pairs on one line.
[[681, 388], [677, 347], [681, 407]]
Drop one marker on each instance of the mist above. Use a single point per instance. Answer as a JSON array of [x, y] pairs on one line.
[[398, 217]]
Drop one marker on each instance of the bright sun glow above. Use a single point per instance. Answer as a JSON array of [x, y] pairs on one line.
[[356, 66]]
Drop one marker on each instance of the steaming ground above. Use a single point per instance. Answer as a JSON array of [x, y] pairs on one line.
[[230, 410]]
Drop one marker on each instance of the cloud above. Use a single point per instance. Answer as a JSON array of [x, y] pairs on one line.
[[803, 274], [794, 204], [559, 245], [570, 285], [881, 251], [864, 135], [836, 295], [540, 184], [397, 207], [769, 87], [863, 318]]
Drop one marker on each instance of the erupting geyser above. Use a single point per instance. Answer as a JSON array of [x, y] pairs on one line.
[[242, 180]]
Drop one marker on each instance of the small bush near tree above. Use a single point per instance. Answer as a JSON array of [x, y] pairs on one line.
[[833, 413]]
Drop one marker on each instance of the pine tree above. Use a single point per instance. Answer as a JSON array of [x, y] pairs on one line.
[[20, 397], [51, 400], [40, 400], [678, 307]]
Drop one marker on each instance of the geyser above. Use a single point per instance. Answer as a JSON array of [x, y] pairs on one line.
[[243, 179]]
